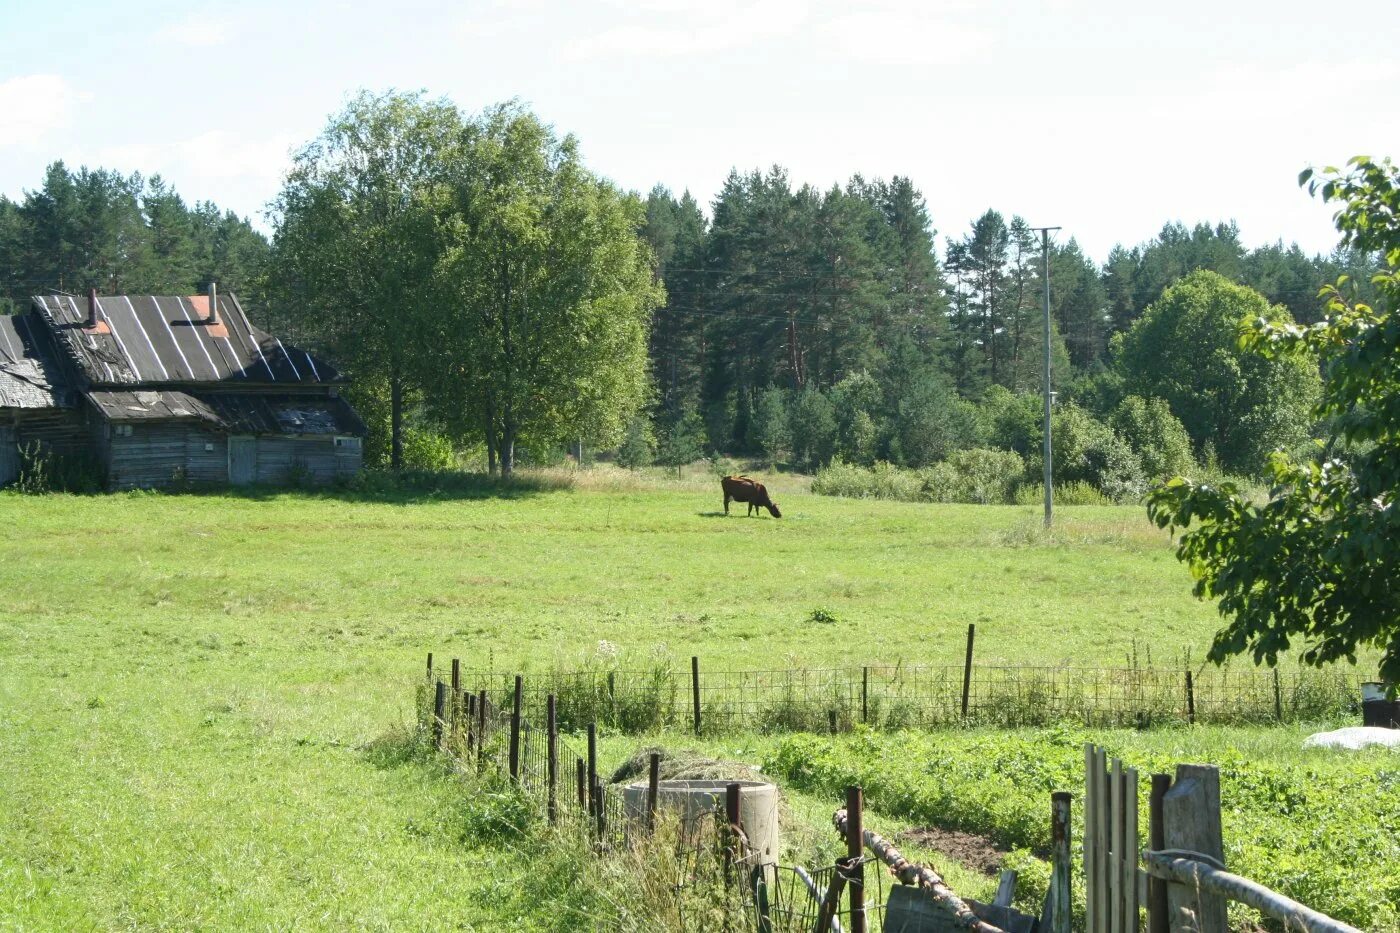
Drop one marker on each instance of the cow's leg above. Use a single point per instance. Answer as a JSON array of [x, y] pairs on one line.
[[726, 503]]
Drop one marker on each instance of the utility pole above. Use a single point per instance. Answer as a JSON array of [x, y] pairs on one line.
[[1045, 274]]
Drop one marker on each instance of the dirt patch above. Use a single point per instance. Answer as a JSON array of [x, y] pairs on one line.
[[976, 852]]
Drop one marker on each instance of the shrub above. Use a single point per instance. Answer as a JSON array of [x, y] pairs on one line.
[[978, 476], [812, 426], [425, 449], [1155, 435], [882, 481], [1076, 493]]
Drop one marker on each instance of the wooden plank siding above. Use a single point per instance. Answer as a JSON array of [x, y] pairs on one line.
[[282, 460], [154, 455]]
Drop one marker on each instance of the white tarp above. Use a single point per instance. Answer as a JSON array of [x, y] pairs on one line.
[[1354, 737]]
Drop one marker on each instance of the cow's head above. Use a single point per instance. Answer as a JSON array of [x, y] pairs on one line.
[[767, 502]]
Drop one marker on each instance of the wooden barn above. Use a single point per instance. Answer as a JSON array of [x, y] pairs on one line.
[[154, 390]]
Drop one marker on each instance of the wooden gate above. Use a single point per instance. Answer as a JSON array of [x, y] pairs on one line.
[[242, 460], [1111, 844]]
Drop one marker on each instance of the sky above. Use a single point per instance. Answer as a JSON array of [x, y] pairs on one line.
[[1107, 119]]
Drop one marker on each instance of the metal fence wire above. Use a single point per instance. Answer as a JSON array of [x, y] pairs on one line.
[[717, 882], [924, 696]]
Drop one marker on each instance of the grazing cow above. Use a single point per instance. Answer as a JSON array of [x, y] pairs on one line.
[[743, 489]]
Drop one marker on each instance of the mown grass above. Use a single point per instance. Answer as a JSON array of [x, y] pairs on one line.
[[188, 683]]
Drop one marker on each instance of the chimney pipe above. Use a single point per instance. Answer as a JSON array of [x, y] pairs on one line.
[[92, 309], [213, 304]]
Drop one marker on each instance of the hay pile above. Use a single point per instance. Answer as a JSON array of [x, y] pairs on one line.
[[684, 765]]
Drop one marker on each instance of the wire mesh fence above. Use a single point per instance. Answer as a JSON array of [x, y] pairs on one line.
[[927, 696], [715, 880]]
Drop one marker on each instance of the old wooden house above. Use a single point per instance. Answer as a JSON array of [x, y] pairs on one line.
[[154, 390]]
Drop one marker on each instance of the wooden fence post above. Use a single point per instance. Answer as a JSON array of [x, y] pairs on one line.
[[515, 729], [865, 694], [582, 793], [831, 720], [1278, 697], [456, 674], [967, 667], [1058, 900], [695, 690], [551, 720], [1191, 822], [1190, 699], [1156, 840], [592, 767], [653, 789], [481, 729], [430, 664], [439, 712], [831, 903], [732, 854], [600, 807], [469, 699], [855, 850]]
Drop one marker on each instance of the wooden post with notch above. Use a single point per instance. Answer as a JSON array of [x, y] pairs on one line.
[[855, 849], [1058, 900], [1191, 822]]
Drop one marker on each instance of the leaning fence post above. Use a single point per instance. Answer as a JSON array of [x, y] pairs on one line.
[[1058, 904], [1191, 822], [439, 712], [515, 729], [469, 704], [1190, 699], [653, 789], [551, 721], [481, 729], [967, 667], [695, 690], [1156, 841], [826, 913], [855, 849]]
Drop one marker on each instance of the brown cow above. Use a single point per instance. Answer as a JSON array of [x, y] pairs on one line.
[[743, 489]]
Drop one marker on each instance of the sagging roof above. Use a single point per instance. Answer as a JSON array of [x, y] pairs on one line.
[[233, 413], [271, 414], [166, 339], [29, 374], [122, 407]]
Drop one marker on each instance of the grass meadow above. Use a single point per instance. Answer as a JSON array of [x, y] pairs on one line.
[[191, 686]]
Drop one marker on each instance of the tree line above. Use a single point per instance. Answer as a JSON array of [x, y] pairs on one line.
[[486, 289]]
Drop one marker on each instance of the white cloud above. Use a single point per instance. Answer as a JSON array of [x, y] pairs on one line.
[[35, 105], [699, 28], [202, 30], [909, 36]]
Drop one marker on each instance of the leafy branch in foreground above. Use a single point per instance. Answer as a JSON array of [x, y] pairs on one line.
[[1320, 560]]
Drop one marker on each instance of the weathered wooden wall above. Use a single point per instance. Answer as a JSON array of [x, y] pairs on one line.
[[314, 459], [160, 454]]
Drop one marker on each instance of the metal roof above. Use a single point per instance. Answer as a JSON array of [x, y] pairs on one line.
[[151, 406], [29, 376], [233, 413], [163, 340]]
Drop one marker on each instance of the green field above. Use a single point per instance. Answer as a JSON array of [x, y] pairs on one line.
[[188, 683]]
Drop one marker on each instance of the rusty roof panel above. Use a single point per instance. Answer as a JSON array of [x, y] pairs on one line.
[[165, 339], [29, 373]]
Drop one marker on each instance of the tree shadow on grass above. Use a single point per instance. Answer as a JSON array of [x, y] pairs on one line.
[[404, 488]]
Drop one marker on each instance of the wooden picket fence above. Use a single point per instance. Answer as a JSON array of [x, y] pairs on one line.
[[1179, 880]]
